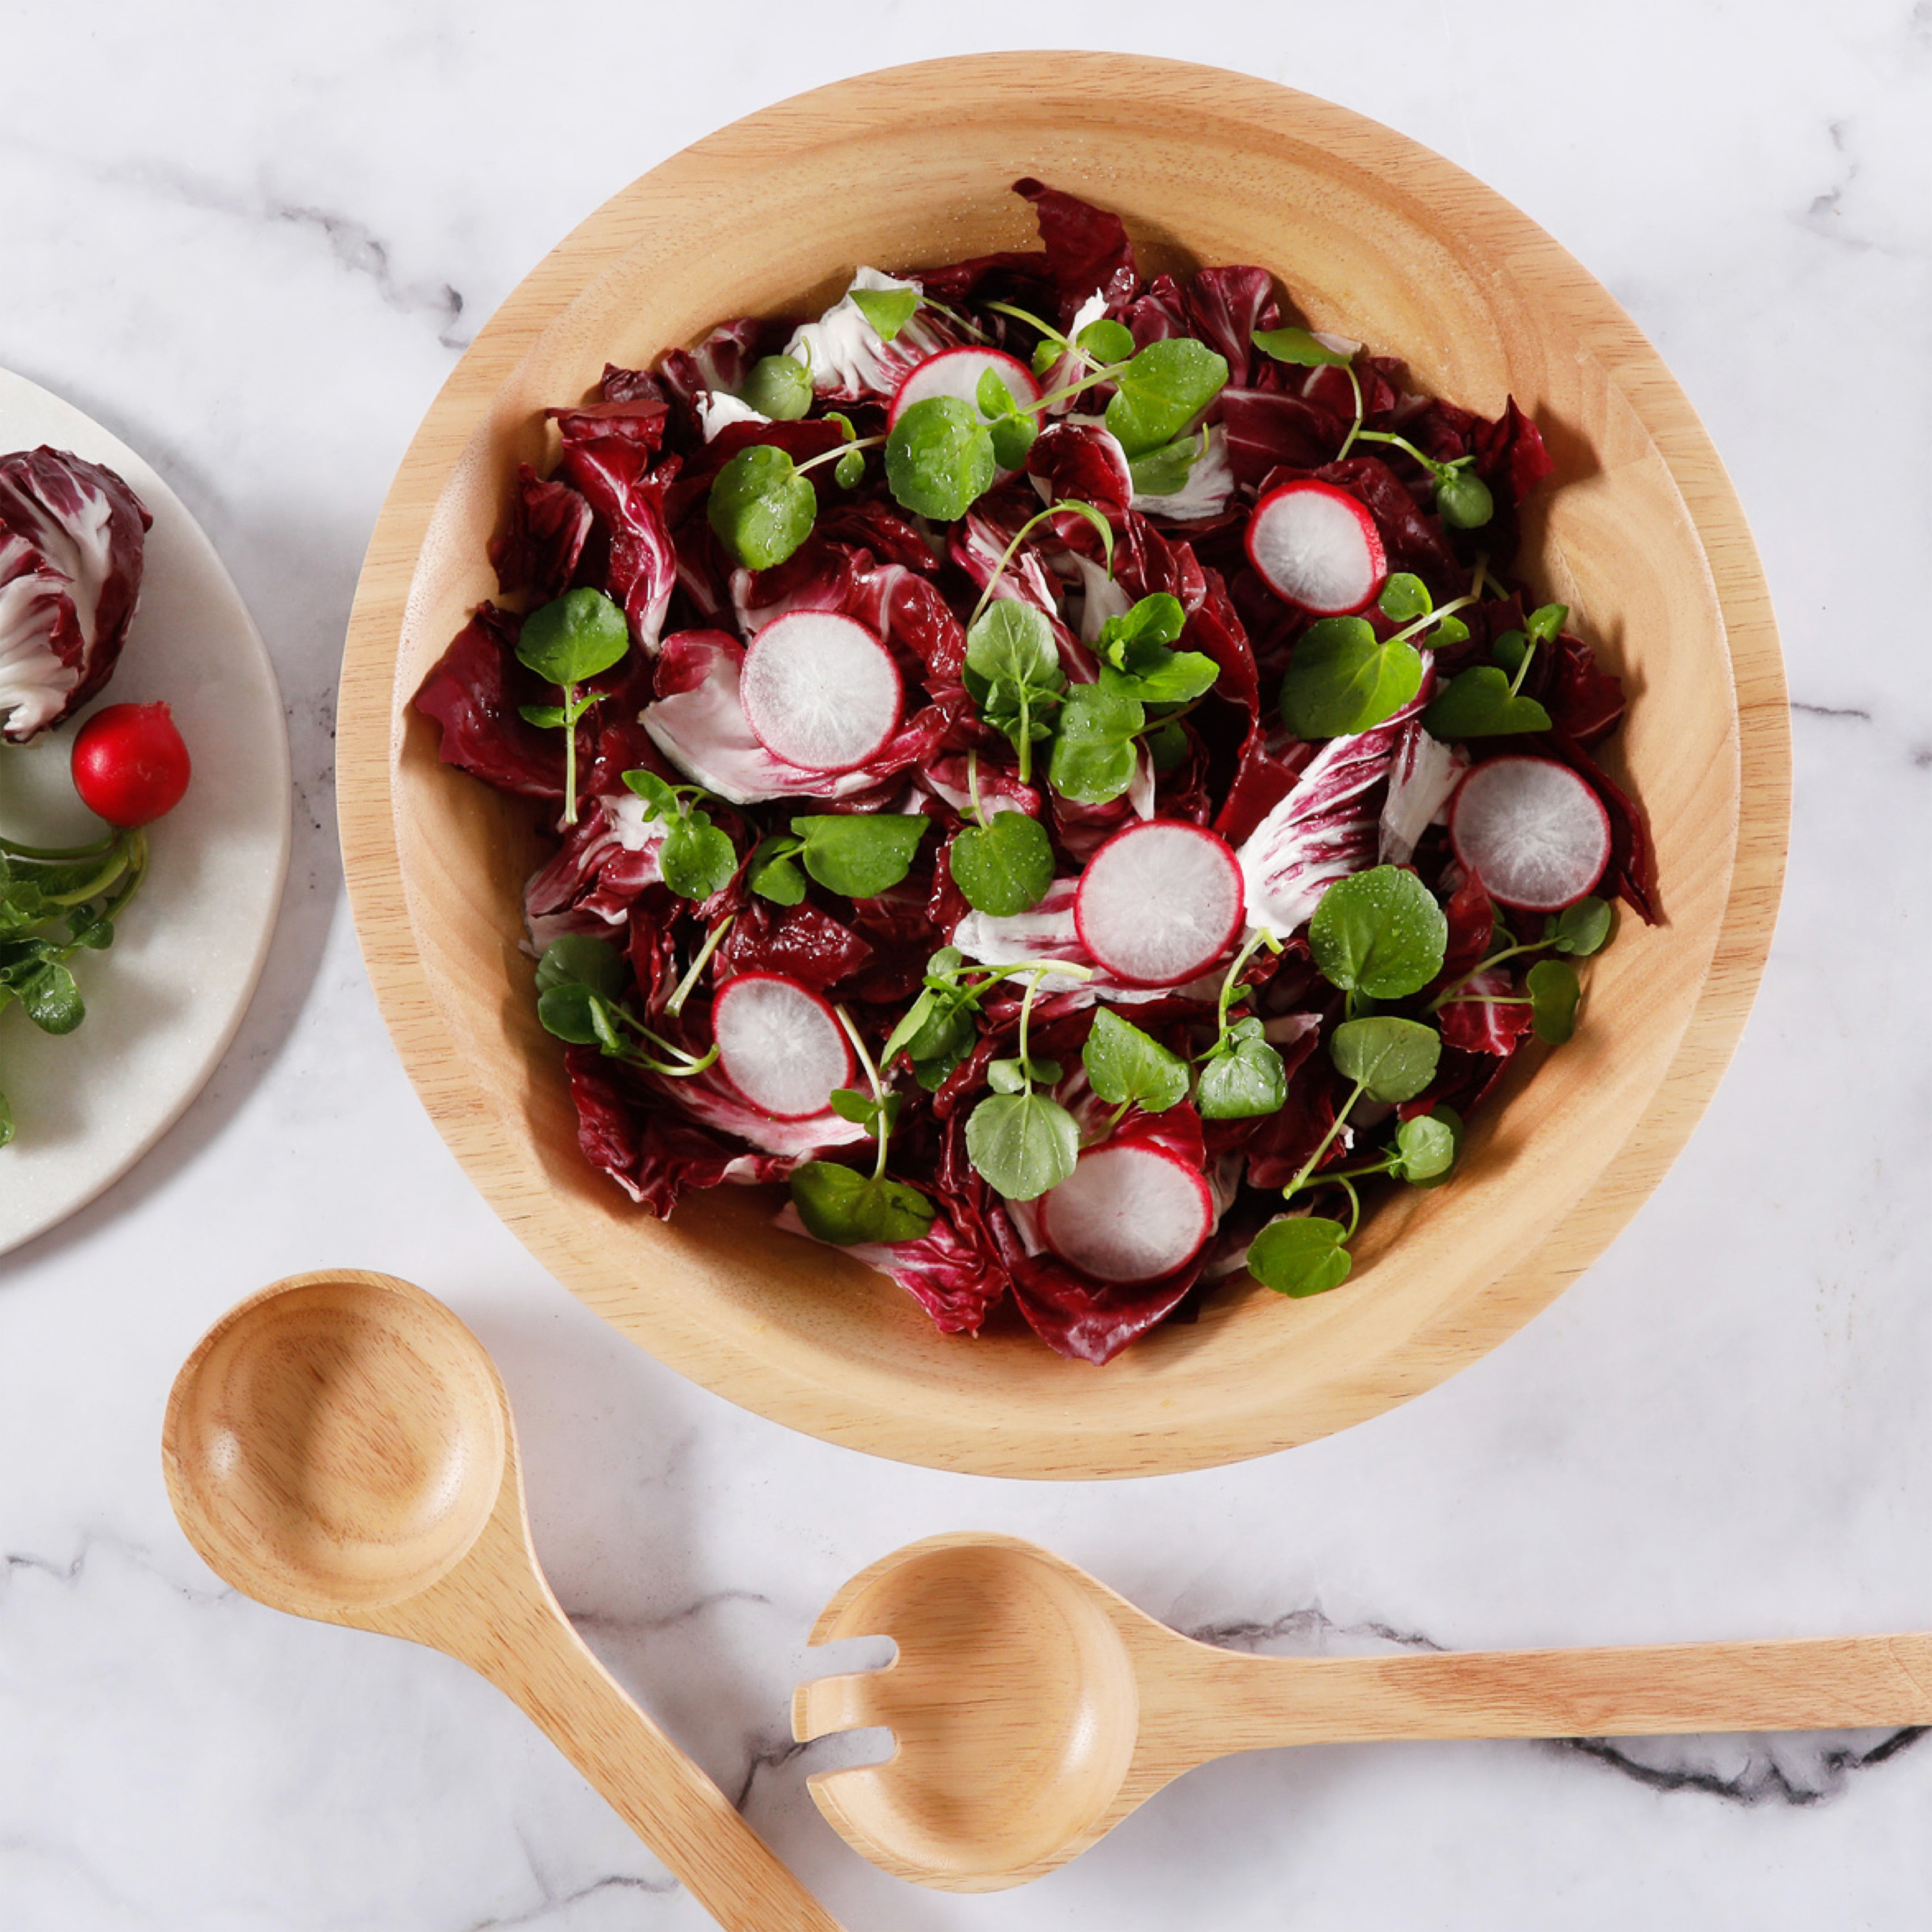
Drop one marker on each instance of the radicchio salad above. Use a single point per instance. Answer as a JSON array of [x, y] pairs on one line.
[[1053, 765]]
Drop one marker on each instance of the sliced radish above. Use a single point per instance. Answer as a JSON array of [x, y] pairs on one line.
[[1531, 830], [1159, 903], [1316, 546], [956, 372], [820, 691], [1128, 1213], [780, 1044]]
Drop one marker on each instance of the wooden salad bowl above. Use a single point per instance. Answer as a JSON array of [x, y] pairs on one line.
[[1373, 237]]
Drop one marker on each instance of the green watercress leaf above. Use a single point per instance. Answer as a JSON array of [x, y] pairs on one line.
[[1546, 621], [760, 508], [939, 458], [1343, 679], [840, 1205], [860, 853], [1463, 501], [1425, 1149], [1023, 1144], [576, 960], [1509, 650], [1017, 1076], [887, 310], [546, 717], [1012, 437], [1300, 347], [1164, 472], [1005, 866], [1300, 1254], [1404, 597], [1145, 627], [779, 386], [1161, 391], [1390, 1059], [773, 873], [1379, 932], [1011, 640], [1554, 990], [53, 1000], [1095, 751], [1243, 1078], [573, 1011], [696, 859], [1478, 703], [1125, 1064], [573, 638], [1581, 929], [1447, 1117], [1105, 341]]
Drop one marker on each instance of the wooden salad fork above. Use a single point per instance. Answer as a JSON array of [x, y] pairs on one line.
[[1033, 1709], [340, 1446]]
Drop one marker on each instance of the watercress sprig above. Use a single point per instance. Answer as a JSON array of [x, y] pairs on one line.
[[839, 1203], [1462, 499], [1022, 1142], [1127, 1067], [575, 637], [56, 902], [696, 858], [1002, 864], [1241, 1076], [579, 981], [1486, 701], [859, 853], [1343, 678], [1387, 1059], [1553, 989]]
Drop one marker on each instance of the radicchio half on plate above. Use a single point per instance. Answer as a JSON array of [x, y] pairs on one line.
[[71, 539]]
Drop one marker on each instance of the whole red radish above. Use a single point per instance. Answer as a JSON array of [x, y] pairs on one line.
[[129, 765]]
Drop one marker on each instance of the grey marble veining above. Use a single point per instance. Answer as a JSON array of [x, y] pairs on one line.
[[253, 241]]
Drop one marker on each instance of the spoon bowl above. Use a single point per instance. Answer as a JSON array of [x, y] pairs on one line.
[[340, 1446], [1012, 1702], [333, 1446]]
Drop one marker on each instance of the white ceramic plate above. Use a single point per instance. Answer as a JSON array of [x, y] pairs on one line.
[[164, 1002]]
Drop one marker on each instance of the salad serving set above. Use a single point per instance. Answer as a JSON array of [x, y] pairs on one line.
[[1086, 761]]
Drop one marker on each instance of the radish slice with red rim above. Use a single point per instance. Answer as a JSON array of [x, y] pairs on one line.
[[1160, 902], [820, 691], [1531, 830], [1128, 1213], [956, 372], [1316, 547], [780, 1044]]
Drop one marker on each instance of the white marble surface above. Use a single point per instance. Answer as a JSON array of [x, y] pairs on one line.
[[251, 240]]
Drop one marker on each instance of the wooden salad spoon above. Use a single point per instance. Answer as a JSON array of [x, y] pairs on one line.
[[340, 1446], [1033, 1709]]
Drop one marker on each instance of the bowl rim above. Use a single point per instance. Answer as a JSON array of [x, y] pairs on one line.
[[371, 724]]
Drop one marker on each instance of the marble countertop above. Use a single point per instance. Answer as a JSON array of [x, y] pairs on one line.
[[252, 242]]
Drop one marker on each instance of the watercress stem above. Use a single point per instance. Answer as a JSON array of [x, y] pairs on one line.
[[1256, 941], [1355, 427], [1335, 1126], [877, 1086], [1449, 992], [674, 1006], [972, 785], [1025, 530], [570, 718], [834, 454]]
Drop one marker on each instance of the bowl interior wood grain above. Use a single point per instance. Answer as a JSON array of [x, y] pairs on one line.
[[1373, 237]]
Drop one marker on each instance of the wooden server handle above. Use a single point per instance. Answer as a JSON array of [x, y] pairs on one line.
[[1247, 1703]]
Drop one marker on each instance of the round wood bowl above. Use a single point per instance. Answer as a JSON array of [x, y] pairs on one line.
[[1373, 237]]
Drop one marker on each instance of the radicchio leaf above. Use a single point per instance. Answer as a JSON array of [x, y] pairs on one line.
[[1327, 827], [71, 539], [1088, 250]]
